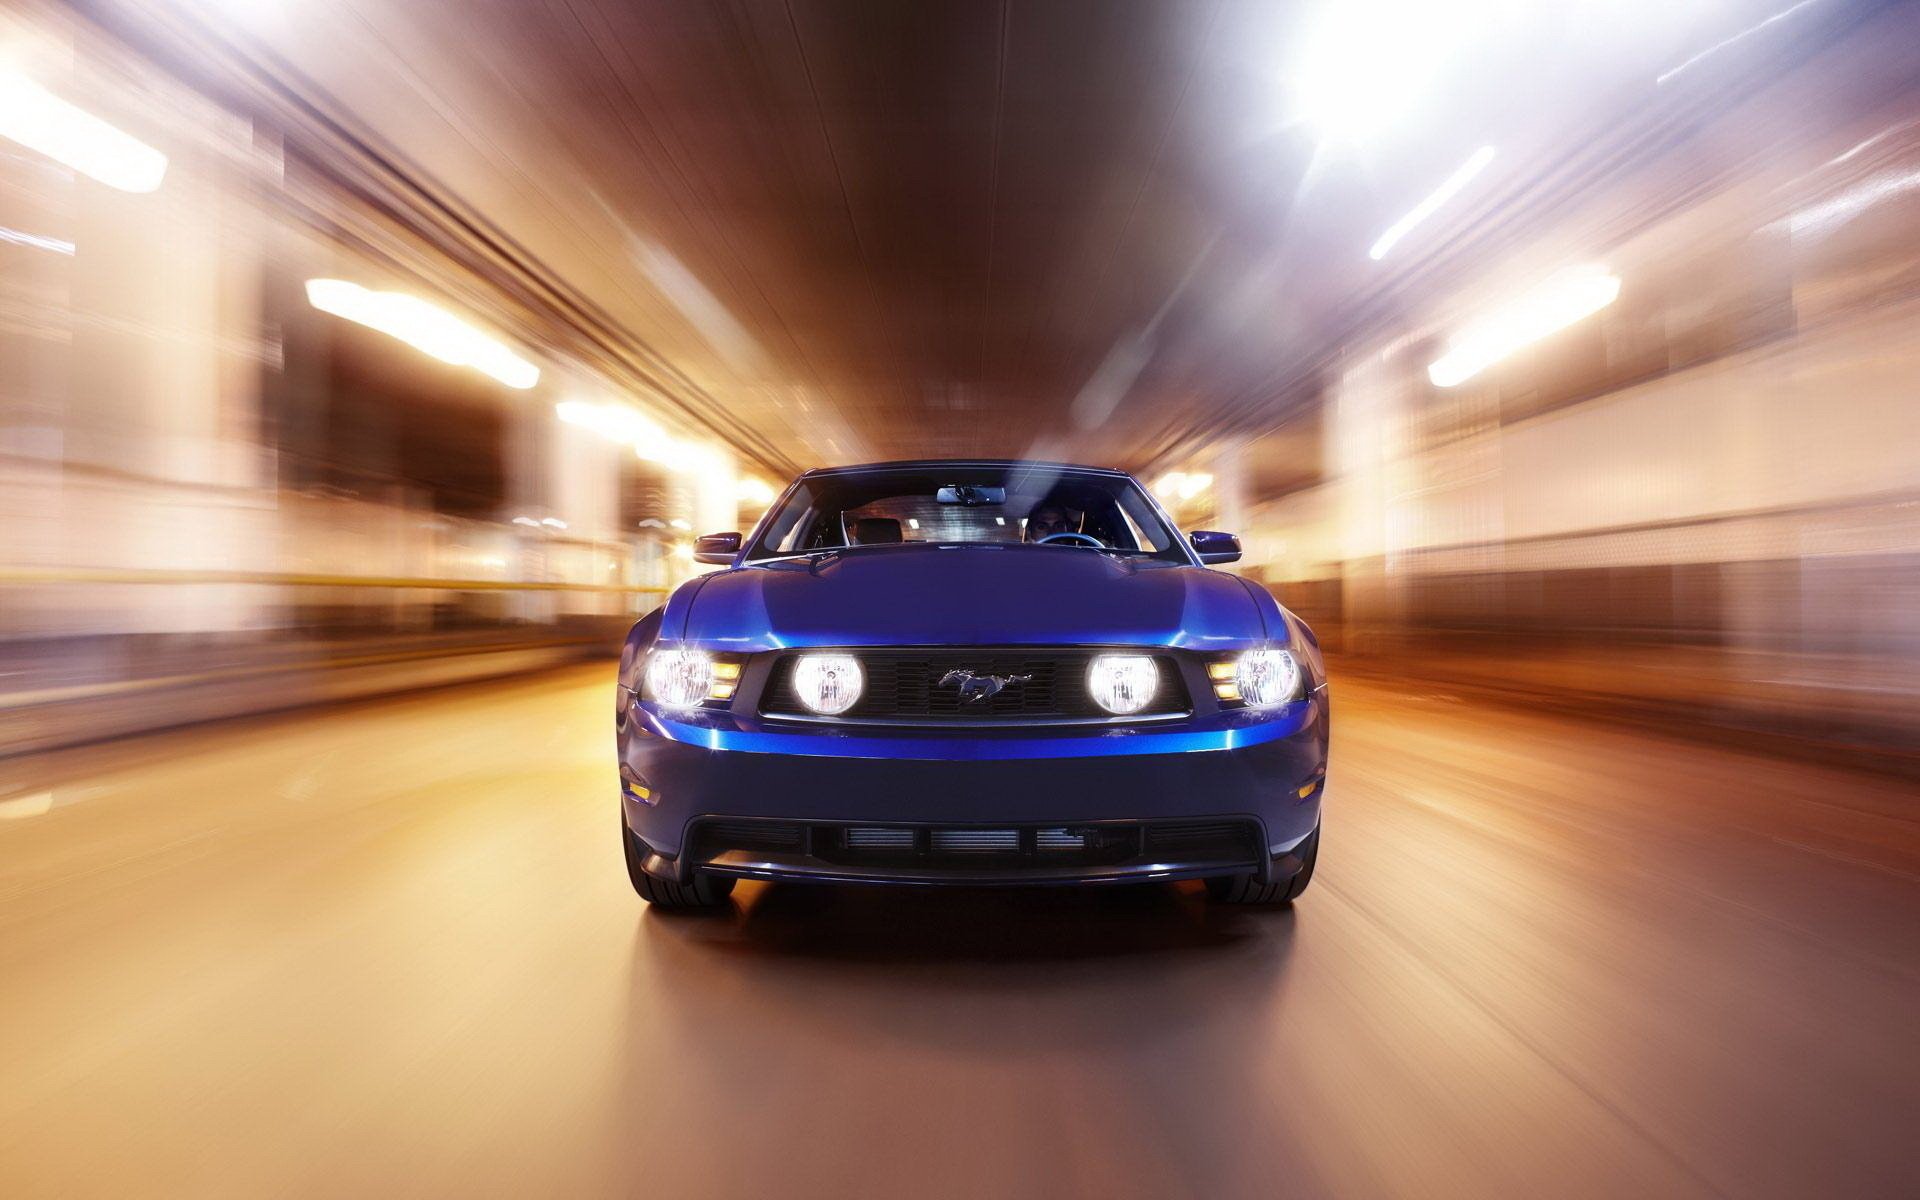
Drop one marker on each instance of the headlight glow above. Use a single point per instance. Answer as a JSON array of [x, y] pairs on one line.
[[829, 684], [1258, 679], [1122, 683], [679, 678]]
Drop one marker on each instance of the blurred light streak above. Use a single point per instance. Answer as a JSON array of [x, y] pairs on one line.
[[753, 490], [431, 330], [18, 238], [1426, 208], [32, 804], [1183, 485], [73, 137], [1859, 148], [1748, 32], [1829, 215], [702, 309], [1559, 302], [626, 425]]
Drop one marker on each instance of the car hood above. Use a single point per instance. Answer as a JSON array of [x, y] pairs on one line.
[[971, 595]]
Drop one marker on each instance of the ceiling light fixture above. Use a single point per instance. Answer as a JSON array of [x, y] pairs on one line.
[[431, 330], [1366, 64], [626, 425], [75, 138]]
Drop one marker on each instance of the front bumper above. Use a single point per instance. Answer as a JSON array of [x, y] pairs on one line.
[[1263, 773]]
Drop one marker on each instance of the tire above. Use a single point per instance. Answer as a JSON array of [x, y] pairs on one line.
[[705, 894], [1247, 889]]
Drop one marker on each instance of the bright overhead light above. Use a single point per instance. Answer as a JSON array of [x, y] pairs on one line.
[[1367, 63], [682, 525], [628, 426], [73, 137], [1426, 208], [553, 522], [1559, 302], [432, 331]]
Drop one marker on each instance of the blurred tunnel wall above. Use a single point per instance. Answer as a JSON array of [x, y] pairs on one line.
[[1705, 500], [216, 498]]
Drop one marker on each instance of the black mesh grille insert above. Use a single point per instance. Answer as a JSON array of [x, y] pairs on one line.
[[976, 841], [752, 835], [969, 847], [914, 685], [1177, 841]]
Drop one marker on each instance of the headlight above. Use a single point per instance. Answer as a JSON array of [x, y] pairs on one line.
[[1257, 679], [679, 678], [1122, 683], [828, 683]]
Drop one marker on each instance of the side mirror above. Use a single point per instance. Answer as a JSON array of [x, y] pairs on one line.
[[1214, 547], [718, 548]]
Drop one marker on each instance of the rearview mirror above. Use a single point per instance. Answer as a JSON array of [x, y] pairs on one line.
[[971, 495], [1214, 547], [716, 548]]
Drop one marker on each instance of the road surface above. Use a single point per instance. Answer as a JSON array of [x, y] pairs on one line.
[[388, 949]]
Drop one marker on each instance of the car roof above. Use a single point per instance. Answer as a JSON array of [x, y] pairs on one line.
[[916, 463]]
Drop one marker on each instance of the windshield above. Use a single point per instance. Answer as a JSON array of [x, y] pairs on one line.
[[1054, 507]]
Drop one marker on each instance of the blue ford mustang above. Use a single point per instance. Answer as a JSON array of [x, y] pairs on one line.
[[970, 672]]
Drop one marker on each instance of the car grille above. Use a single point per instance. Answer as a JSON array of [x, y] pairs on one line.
[[906, 685]]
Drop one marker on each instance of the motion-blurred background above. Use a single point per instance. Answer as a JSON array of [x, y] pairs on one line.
[[1557, 361], [1566, 348]]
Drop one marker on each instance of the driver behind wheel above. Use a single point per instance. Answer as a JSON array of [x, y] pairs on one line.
[[1049, 519]]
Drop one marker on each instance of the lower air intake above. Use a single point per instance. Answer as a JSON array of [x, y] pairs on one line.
[[861, 838], [976, 841]]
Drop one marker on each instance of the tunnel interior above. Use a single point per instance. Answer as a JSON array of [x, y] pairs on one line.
[[370, 370]]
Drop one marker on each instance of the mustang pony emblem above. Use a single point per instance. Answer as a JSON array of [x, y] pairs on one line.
[[978, 687]]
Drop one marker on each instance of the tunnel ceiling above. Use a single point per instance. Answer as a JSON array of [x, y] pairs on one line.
[[1075, 229]]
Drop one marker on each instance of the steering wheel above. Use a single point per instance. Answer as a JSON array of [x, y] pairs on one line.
[[1072, 539]]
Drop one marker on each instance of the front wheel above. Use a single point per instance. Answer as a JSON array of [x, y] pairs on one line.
[[1247, 889], [704, 892]]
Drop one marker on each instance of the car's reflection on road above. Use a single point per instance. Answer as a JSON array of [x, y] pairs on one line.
[[945, 1041], [1039, 926]]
